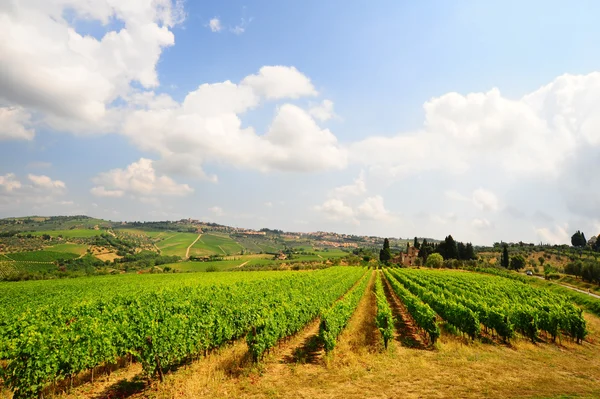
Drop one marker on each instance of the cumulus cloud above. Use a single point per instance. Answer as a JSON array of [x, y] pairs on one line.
[[373, 209], [534, 136], [13, 122], [216, 210], [323, 111], [485, 200], [9, 182], [46, 182], [357, 188], [41, 192], [481, 224], [140, 180], [47, 66], [553, 235], [101, 191], [206, 128], [215, 25], [336, 210], [276, 82]]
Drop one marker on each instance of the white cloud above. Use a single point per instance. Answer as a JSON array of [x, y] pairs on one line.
[[554, 235], [485, 132], [276, 82], [456, 196], [481, 224], [46, 182], [485, 200], [13, 122], [215, 25], [216, 210], [335, 209], [140, 180], [101, 191], [206, 128], [47, 66], [9, 182], [269, 204], [241, 27], [373, 209], [357, 188], [323, 111], [40, 194]]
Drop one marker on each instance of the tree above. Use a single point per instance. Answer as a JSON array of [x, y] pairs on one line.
[[385, 254], [504, 261], [435, 261], [470, 252], [424, 251], [462, 251], [541, 259], [517, 262], [448, 248], [416, 243], [578, 239], [574, 268]]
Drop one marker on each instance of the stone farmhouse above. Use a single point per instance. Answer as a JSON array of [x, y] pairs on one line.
[[409, 258]]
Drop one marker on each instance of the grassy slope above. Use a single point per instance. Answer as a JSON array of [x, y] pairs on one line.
[[176, 243], [577, 283]]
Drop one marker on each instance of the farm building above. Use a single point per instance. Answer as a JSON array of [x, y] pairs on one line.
[[409, 258]]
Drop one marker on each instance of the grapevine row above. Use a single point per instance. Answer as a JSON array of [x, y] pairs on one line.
[[335, 319], [422, 314], [503, 305], [291, 310], [384, 319], [159, 329]]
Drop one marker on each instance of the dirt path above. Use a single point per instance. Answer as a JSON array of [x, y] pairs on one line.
[[187, 251], [243, 264], [571, 288], [407, 332], [305, 347], [361, 333]]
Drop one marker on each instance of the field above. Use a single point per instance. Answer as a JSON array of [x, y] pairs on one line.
[[447, 339], [40, 256], [176, 243], [78, 249], [205, 266], [75, 233], [212, 244]]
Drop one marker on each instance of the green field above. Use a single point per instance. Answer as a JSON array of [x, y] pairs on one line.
[[212, 244], [220, 266], [78, 249], [41, 256], [75, 233], [176, 243], [7, 268]]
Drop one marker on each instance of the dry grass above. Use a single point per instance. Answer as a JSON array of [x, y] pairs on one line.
[[359, 368]]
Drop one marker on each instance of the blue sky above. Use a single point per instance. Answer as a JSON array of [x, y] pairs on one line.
[[390, 118]]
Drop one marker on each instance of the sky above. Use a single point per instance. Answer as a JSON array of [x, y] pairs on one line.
[[388, 118]]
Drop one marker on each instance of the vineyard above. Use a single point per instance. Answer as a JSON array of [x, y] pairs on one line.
[[52, 331]]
